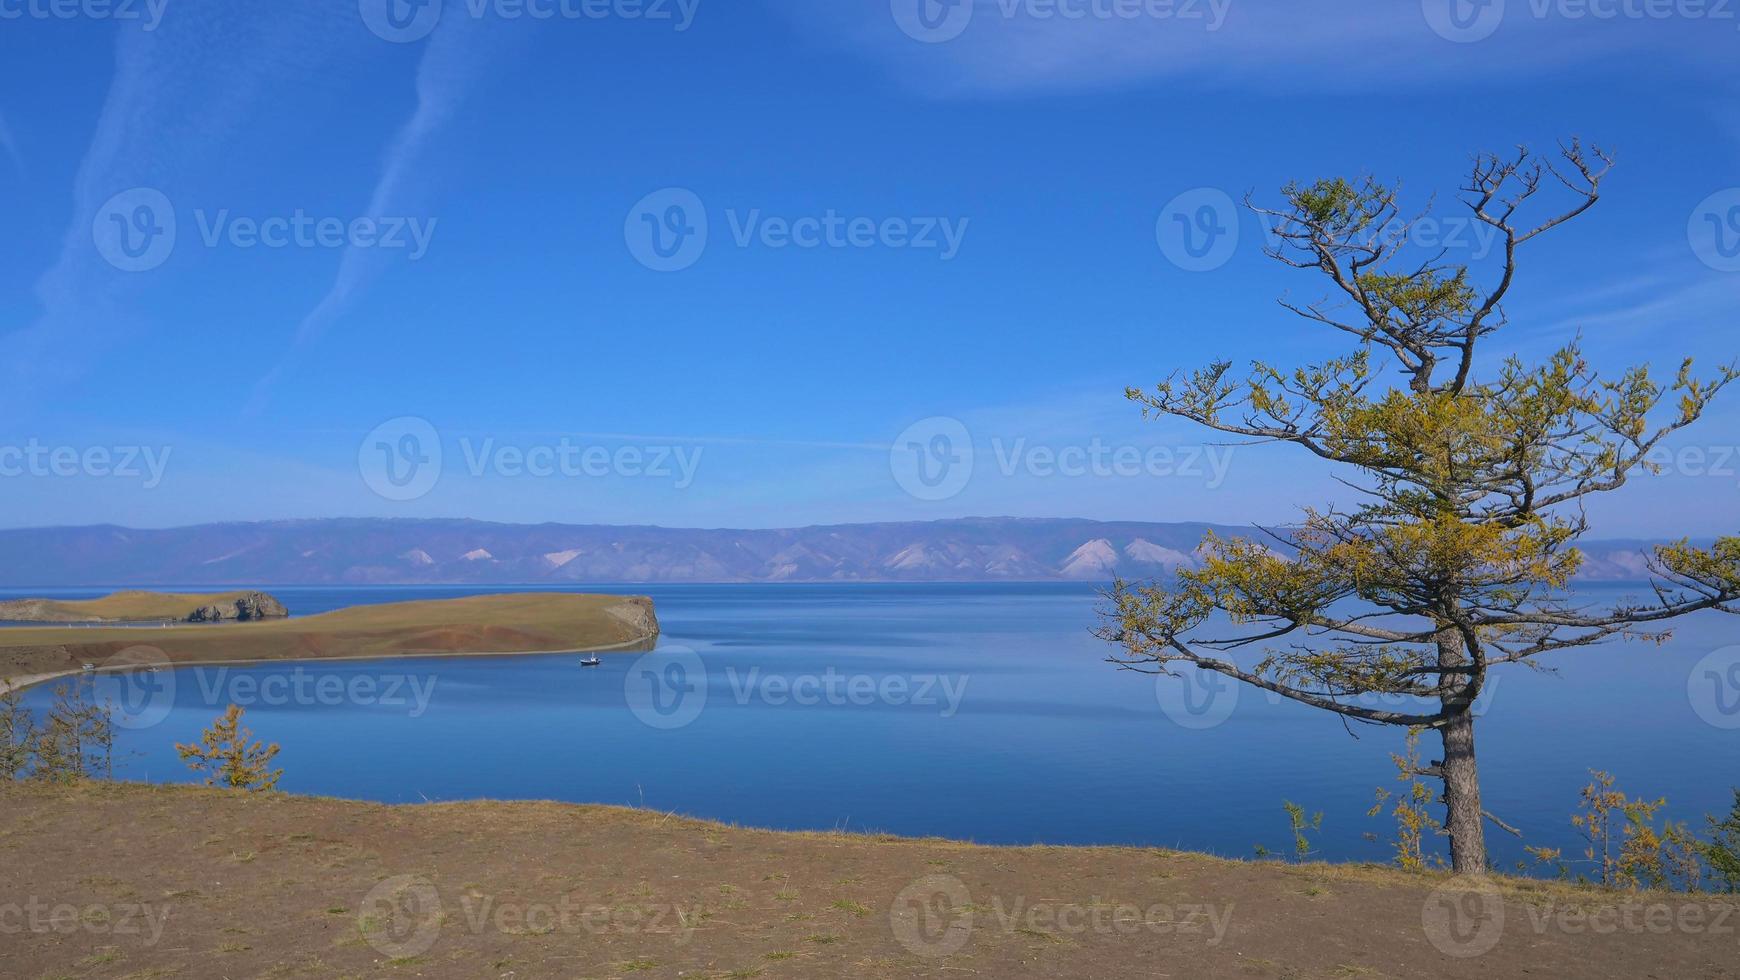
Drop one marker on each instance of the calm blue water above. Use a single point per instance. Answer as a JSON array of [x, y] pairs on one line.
[[976, 712]]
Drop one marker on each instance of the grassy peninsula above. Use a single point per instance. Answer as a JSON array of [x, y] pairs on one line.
[[517, 623]]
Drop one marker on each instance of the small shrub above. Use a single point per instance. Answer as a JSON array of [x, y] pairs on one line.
[[75, 740], [1625, 846], [1300, 825], [1413, 820], [1722, 851], [17, 736], [225, 757]]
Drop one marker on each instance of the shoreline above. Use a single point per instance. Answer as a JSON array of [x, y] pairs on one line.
[[24, 682]]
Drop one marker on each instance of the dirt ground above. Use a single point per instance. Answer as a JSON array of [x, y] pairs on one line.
[[127, 880]]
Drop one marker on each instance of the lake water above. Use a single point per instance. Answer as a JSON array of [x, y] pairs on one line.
[[978, 712]]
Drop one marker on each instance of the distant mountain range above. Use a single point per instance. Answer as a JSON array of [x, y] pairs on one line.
[[381, 551]]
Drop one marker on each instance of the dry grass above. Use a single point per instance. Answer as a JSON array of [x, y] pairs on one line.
[[132, 606], [671, 896], [522, 623]]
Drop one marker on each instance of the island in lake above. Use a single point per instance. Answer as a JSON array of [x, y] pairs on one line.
[[544, 622], [147, 607]]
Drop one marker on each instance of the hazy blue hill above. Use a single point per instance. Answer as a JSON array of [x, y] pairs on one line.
[[368, 550]]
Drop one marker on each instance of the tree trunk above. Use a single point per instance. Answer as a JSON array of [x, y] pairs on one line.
[[1463, 815]]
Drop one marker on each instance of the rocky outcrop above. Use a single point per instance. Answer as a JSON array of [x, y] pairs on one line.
[[247, 607], [636, 611]]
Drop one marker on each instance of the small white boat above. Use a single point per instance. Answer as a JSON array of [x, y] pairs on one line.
[[591, 661]]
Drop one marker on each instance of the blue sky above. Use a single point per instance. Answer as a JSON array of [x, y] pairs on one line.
[[993, 274]]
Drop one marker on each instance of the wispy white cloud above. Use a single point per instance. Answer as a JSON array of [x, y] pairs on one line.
[[177, 96], [1011, 46], [454, 60], [1704, 304]]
